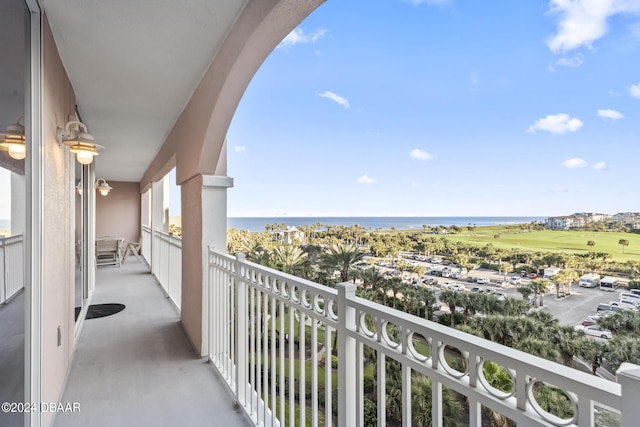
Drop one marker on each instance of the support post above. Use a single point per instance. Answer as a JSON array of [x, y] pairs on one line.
[[628, 376], [346, 356]]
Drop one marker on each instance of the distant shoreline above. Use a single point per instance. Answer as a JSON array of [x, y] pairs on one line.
[[257, 224]]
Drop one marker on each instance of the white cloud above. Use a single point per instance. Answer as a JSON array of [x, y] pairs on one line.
[[634, 90], [558, 123], [610, 114], [599, 166], [364, 179], [419, 154], [571, 62], [240, 148], [335, 98], [298, 36], [574, 163], [582, 22]]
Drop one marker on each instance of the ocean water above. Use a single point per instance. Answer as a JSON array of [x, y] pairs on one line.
[[385, 223]]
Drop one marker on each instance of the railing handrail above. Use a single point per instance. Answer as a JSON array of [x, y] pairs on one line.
[[590, 386], [12, 239], [169, 237], [229, 272]]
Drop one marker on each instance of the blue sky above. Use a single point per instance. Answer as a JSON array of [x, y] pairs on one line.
[[442, 108], [428, 108]]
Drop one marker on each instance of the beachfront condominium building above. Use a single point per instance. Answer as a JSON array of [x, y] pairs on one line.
[[122, 92]]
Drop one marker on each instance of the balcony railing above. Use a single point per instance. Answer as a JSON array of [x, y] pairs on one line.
[[256, 344], [11, 266], [165, 252]]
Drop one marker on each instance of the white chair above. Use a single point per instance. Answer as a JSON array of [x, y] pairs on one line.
[[135, 249], [108, 251]]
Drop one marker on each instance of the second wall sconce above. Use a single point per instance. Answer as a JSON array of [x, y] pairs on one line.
[[13, 140], [103, 187], [82, 143]]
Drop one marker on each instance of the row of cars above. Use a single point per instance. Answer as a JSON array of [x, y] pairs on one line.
[[626, 301]]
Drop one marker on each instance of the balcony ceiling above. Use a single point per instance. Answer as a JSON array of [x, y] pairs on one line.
[[133, 66]]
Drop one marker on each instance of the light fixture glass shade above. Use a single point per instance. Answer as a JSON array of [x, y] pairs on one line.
[[80, 141], [85, 157], [103, 187], [13, 140], [18, 151]]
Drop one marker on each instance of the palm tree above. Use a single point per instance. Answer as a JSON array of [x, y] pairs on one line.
[[371, 278], [565, 278], [567, 341], [341, 257], [623, 348], [526, 291], [537, 347], [623, 243], [539, 287], [421, 405], [453, 300], [292, 260]]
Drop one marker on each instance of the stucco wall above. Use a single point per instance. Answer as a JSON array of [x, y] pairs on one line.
[[191, 313], [118, 213], [58, 214]]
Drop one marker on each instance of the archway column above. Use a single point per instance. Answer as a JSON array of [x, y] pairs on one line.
[[204, 225]]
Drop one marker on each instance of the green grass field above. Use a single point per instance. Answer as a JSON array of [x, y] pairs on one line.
[[554, 241]]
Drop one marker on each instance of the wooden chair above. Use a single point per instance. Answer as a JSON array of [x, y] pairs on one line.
[[135, 249], [108, 251]]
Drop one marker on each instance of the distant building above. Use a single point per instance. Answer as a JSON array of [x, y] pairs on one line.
[[576, 220], [288, 236], [626, 217]]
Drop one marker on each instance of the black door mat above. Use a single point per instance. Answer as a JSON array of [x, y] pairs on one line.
[[102, 310]]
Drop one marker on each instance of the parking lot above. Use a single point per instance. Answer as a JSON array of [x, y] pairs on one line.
[[569, 310]]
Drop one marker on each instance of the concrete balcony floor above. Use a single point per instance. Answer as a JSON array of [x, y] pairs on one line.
[[137, 367]]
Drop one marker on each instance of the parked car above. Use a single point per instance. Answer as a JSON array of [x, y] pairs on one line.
[[457, 287], [595, 331], [515, 280], [501, 296], [477, 289], [483, 281], [532, 276], [472, 279], [588, 322], [623, 304]]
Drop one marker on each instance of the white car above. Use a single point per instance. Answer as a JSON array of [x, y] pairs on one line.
[[483, 281], [515, 280], [595, 331], [501, 296], [457, 287]]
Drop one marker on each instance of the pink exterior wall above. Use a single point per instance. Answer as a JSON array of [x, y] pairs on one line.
[[59, 215], [118, 213], [191, 313]]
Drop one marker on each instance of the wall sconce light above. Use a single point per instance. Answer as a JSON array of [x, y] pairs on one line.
[[79, 188], [103, 187], [82, 143], [13, 140]]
